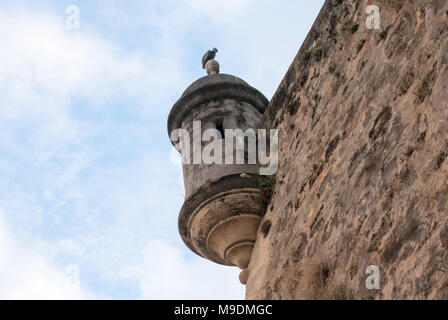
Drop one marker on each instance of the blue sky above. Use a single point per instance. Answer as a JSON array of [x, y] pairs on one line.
[[87, 179]]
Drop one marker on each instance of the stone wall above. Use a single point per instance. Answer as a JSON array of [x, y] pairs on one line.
[[363, 177]]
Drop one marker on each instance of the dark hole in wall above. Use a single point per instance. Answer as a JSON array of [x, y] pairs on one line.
[[265, 227], [220, 128]]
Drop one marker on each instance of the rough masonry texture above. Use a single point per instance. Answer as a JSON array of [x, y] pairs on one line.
[[363, 176]]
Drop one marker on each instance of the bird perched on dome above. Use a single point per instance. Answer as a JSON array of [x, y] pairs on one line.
[[209, 55]]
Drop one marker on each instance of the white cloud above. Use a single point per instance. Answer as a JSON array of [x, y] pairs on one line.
[[41, 59], [222, 11], [167, 274], [45, 70], [26, 272]]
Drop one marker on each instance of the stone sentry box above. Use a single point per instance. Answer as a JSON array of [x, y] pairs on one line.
[[221, 214]]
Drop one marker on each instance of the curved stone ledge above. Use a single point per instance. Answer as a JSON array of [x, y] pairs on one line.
[[221, 215]]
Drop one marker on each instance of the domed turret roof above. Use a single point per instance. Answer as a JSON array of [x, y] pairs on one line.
[[212, 87], [213, 80]]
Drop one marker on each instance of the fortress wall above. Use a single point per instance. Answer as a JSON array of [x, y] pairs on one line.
[[363, 176]]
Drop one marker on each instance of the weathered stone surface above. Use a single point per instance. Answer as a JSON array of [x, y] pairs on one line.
[[363, 177], [212, 67], [222, 210]]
